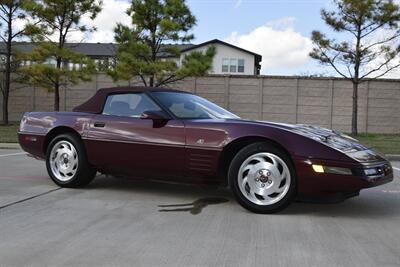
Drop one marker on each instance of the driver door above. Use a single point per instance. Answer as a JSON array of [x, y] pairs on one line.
[[120, 142]]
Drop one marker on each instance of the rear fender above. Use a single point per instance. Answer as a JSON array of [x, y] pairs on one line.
[[37, 127]]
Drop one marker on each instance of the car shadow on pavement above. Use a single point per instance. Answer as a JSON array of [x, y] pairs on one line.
[[157, 187], [194, 207], [190, 198], [367, 205]]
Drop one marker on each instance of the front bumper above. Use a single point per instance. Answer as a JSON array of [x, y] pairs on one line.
[[311, 183]]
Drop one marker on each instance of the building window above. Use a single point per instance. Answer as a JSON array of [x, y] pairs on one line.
[[225, 65], [74, 66], [51, 62], [241, 65], [103, 64], [233, 65]]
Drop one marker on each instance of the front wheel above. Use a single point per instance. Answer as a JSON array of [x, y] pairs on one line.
[[66, 162], [262, 178]]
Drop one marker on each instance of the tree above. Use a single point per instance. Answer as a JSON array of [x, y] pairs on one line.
[[154, 23], [370, 51], [54, 64], [10, 10]]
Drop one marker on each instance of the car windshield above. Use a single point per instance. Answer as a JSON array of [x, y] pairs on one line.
[[188, 106]]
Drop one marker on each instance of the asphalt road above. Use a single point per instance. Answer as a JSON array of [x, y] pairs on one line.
[[117, 222]]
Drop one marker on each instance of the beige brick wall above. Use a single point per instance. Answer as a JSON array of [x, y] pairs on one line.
[[322, 101]]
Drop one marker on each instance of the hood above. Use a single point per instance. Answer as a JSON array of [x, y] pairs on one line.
[[334, 139], [329, 137]]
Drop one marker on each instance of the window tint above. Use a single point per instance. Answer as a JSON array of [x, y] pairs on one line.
[[225, 65], [233, 65], [188, 106], [128, 105], [241, 65]]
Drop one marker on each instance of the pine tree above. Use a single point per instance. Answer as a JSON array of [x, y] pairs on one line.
[[366, 53], [10, 10], [154, 24], [59, 18]]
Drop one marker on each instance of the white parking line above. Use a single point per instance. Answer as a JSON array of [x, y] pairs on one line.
[[397, 169], [13, 154]]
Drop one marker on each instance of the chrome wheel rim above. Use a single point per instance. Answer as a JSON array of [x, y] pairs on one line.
[[264, 178], [63, 161]]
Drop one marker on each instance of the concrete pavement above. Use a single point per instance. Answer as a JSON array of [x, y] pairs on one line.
[[9, 146], [116, 222]]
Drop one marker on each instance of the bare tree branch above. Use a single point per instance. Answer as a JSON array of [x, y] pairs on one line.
[[381, 42], [379, 68], [2, 38], [170, 79], [165, 81], [388, 70], [350, 73], [373, 30], [331, 62], [143, 79], [3, 18], [3, 8]]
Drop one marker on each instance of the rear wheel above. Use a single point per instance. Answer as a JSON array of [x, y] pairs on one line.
[[262, 178], [66, 162]]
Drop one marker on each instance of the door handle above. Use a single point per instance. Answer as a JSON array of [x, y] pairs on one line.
[[99, 124]]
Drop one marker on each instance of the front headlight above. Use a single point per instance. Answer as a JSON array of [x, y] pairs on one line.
[[371, 172], [331, 170]]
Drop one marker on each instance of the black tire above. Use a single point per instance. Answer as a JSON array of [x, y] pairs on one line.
[[84, 173], [233, 176]]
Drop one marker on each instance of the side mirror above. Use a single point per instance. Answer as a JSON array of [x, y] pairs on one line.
[[155, 115]]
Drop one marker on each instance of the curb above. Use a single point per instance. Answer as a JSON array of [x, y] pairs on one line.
[[9, 146]]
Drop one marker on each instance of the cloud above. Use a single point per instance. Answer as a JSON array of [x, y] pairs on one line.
[[114, 11], [282, 23], [277, 42], [238, 3], [382, 35]]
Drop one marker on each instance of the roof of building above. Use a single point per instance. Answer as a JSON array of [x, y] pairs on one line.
[[257, 57], [164, 53], [109, 49], [89, 49], [217, 41], [92, 49]]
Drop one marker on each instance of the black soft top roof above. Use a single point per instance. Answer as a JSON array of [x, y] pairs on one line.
[[95, 103]]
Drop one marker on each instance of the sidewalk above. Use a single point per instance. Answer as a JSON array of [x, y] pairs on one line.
[[9, 146], [394, 157]]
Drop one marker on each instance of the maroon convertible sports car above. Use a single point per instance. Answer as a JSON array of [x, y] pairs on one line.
[[171, 135]]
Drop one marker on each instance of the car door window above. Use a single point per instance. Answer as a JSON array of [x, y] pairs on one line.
[[188, 110], [189, 106], [128, 105]]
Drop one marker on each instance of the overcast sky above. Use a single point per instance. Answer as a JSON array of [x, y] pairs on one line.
[[279, 30]]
